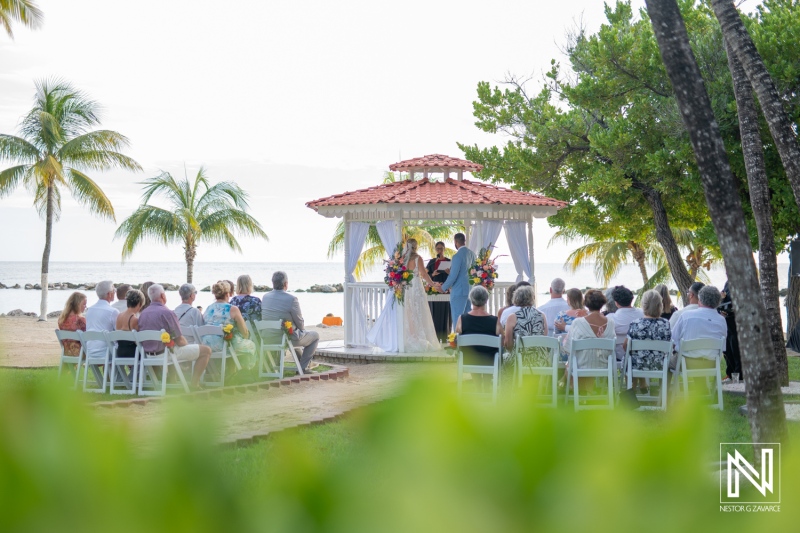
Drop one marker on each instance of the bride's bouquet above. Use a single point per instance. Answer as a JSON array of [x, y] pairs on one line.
[[484, 270], [398, 277]]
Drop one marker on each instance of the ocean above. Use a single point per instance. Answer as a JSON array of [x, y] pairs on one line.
[[301, 276]]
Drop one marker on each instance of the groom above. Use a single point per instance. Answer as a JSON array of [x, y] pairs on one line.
[[458, 280]]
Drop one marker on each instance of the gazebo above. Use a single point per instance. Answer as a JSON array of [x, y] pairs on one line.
[[485, 209]]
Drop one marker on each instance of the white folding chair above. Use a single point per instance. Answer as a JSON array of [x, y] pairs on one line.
[[474, 340], [608, 373], [95, 362], [149, 362], [120, 377], [541, 342], [664, 347], [63, 335], [190, 335], [219, 358], [272, 354], [682, 373]]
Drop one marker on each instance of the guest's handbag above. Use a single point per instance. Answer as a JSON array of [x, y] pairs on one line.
[[628, 399]]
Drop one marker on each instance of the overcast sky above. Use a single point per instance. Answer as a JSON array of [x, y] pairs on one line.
[[293, 100]]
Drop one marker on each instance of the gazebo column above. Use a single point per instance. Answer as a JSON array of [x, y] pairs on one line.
[[401, 347], [532, 279], [347, 287]]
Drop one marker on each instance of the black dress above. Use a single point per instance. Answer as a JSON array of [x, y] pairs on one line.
[[440, 311], [479, 325], [733, 357], [126, 349]]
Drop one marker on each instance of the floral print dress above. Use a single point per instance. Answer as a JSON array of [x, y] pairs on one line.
[[651, 329], [219, 314], [73, 323], [250, 306]]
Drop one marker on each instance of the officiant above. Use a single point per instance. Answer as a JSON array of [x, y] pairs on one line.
[[438, 269]]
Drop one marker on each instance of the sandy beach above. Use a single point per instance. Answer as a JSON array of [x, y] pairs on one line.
[[26, 342]]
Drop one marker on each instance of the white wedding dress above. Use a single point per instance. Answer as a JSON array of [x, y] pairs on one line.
[[419, 333]]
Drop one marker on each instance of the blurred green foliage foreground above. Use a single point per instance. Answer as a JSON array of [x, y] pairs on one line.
[[420, 462]]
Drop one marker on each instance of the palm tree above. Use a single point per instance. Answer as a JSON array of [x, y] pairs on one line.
[[54, 148], [198, 212], [427, 234], [25, 12]]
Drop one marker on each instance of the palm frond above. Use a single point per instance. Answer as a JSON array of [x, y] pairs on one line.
[[164, 184], [98, 150], [17, 149], [89, 194], [11, 177], [226, 219], [26, 12], [150, 223], [40, 201]]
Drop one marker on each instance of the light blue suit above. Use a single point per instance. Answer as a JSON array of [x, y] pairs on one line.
[[458, 283]]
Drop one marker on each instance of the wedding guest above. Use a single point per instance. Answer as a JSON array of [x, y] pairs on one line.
[[188, 315], [693, 291], [72, 319], [511, 309], [509, 299], [122, 293], [101, 317], [479, 322], [652, 327], [576, 310], [128, 321], [623, 316], [249, 305], [157, 317], [527, 320], [733, 357], [610, 307], [555, 305], [278, 304], [701, 323], [222, 313], [438, 276], [666, 301], [145, 288], [593, 326]]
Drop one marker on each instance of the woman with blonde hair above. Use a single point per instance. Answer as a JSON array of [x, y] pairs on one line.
[[222, 313], [72, 319], [576, 310], [249, 305], [419, 333]]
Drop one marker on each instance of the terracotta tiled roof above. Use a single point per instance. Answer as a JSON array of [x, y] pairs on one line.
[[425, 191], [436, 163]]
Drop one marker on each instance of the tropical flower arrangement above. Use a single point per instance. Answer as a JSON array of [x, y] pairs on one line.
[[166, 338], [484, 270], [398, 277], [287, 327], [227, 331], [451, 340], [431, 291]]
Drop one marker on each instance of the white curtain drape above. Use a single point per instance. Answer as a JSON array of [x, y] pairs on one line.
[[490, 231], [384, 333], [355, 236], [518, 245]]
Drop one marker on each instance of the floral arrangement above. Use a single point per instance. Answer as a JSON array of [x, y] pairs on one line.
[[451, 340], [166, 338], [398, 277], [227, 331], [484, 270], [287, 327], [431, 291]]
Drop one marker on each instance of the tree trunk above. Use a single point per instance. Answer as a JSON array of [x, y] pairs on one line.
[[758, 184], [48, 239], [667, 240], [764, 401], [190, 252], [780, 125], [792, 304], [641, 260]]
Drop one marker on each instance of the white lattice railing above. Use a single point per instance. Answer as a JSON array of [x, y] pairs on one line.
[[373, 297]]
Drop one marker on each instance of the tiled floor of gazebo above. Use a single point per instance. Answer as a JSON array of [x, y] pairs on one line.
[[336, 352]]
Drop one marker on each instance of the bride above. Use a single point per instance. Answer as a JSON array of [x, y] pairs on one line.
[[419, 332]]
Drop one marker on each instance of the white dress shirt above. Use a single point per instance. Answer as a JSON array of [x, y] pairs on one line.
[[623, 317], [551, 310], [100, 317], [120, 305], [700, 323], [510, 310], [677, 314]]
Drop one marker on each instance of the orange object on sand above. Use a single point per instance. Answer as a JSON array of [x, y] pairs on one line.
[[332, 321]]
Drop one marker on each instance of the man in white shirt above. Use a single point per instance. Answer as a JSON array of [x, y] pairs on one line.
[[101, 317], [556, 304], [122, 303], [623, 316], [701, 323], [188, 315], [694, 290]]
